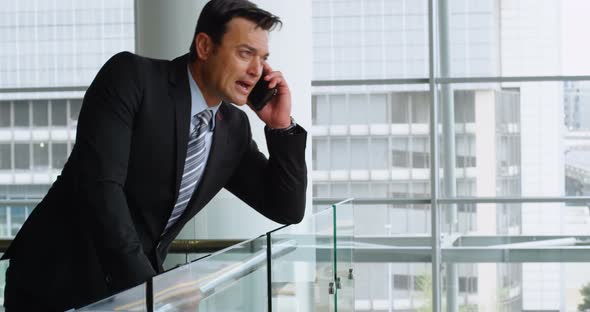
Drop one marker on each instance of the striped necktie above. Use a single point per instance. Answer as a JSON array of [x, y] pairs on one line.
[[193, 165]]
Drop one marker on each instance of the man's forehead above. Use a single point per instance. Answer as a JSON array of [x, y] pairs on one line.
[[243, 32]]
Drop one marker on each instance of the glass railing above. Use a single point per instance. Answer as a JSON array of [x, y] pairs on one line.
[[374, 255], [302, 267]]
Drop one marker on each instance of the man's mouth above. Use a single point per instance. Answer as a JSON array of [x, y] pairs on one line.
[[244, 86]]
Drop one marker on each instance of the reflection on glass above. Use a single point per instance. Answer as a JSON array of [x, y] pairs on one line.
[[40, 156], [231, 280], [133, 299], [302, 267]]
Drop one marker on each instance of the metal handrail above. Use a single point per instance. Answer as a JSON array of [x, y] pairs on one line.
[[458, 200], [178, 246], [402, 201]]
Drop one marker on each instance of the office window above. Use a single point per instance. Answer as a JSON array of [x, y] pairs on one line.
[[420, 152], [340, 156], [378, 108], [379, 153], [399, 152], [339, 113], [22, 158], [464, 106], [17, 218], [359, 150], [399, 109], [320, 110], [321, 154], [21, 113], [5, 156], [59, 154], [360, 190], [4, 114], [420, 107], [40, 155], [358, 106], [3, 223], [468, 284], [40, 113], [58, 113], [75, 106], [401, 282]]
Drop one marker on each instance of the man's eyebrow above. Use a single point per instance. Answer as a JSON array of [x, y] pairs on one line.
[[252, 49]]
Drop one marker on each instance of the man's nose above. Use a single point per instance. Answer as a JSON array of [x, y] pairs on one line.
[[255, 68]]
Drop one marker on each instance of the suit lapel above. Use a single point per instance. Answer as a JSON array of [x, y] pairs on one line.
[[180, 97]]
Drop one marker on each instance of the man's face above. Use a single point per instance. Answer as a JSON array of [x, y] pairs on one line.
[[234, 66]]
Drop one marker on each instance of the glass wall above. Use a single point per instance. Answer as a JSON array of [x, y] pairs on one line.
[[510, 127]]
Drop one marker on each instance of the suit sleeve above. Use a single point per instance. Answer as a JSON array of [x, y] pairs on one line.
[[276, 186], [103, 141]]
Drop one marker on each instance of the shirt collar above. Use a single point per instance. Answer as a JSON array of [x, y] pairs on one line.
[[198, 103]]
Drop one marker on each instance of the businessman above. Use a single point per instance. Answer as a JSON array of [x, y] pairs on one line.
[[156, 140]]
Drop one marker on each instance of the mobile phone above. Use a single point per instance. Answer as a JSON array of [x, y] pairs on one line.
[[261, 93]]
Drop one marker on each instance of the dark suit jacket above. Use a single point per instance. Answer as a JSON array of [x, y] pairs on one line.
[[99, 228]]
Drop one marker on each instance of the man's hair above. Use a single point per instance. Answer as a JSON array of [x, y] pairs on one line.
[[217, 13]]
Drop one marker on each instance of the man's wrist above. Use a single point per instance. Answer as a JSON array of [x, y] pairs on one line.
[[284, 126], [288, 130]]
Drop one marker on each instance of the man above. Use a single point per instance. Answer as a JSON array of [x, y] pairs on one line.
[[156, 140]]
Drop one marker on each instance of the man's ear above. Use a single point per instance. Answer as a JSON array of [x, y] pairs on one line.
[[203, 46]]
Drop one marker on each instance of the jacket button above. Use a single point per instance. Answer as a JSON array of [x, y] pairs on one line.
[[107, 278]]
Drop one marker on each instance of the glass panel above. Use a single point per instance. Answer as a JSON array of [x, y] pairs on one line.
[[358, 108], [17, 218], [21, 113], [133, 299], [340, 154], [515, 256], [517, 139], [378, 109], [321, 154], [343, 255], [22, 158], [4, 114], [302, 268], [234, 279], [5, 159], [75, 106], [359, 150], [391, 258], [40, 113], [4, 228], [40, 156], [58, 113], [58, 155]]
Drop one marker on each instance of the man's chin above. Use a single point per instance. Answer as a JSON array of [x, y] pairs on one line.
[[239, 101]]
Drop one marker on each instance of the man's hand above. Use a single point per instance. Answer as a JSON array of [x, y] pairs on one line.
[[277, 113]]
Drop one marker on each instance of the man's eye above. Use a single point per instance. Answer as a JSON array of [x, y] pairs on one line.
[[245, 53]]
